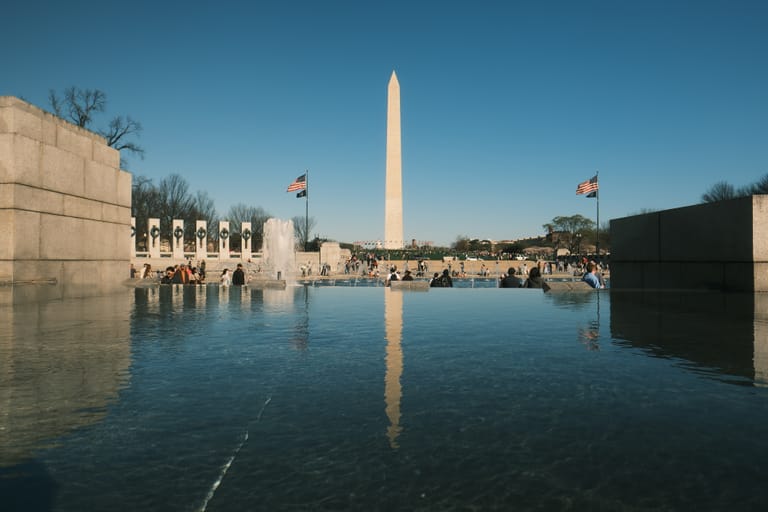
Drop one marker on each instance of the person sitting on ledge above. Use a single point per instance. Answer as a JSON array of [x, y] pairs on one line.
[[445, 279], [393, 276], [168, 277], [534, 279], [511, 280], [590, 277], [180, 275], [407, 276]]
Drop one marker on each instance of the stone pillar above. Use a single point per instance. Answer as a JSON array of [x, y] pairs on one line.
[[223, 239], [760, 355], [246, 237], [177, 239], [153, 238], [330, 254], [201, 240], [133, 238]]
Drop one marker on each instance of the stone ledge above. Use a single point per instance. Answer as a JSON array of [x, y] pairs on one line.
[[567, 286], [410, 285]]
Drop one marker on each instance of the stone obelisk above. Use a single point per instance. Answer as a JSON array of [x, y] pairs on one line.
[[393, 199]]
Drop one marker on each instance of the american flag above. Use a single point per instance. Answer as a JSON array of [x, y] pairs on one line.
[[588, 187], [299, 183]]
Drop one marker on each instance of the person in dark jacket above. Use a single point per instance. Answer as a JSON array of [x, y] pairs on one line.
[[238, 276], [180, 275], [511, 280], [534, 279]]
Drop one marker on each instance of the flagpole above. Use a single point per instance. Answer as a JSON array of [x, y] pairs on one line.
[[306, 213], [597, 196]]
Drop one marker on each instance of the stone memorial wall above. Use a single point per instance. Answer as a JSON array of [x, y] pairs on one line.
[[714, 246], [65, 205]]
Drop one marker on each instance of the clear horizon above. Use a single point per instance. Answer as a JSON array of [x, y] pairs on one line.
[[506, 106]]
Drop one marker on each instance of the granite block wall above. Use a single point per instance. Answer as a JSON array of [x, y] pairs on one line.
[[64, 203], [713, 246]]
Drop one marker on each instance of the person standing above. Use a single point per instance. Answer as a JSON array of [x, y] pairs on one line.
[[238, 276], [226, 278]]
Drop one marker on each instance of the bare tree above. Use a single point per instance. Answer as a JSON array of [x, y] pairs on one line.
[[176, 202], [116, 135], [145, 200], [760, 186], [720, 191], [204, 209], [256, 215], [79, 106], [302, 227]]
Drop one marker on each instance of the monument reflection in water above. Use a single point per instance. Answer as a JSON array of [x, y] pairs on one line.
[[305, 398]]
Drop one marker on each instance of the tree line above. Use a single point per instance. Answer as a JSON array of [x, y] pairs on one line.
[[722, 190], [171, 198], [572, 232]]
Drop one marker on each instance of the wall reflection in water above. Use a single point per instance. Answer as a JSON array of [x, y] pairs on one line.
[[61, 364], [223, 301], [393, 393], [719, 335]]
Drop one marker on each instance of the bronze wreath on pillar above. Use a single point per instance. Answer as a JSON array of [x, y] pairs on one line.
[[178, 233], [154, 233]]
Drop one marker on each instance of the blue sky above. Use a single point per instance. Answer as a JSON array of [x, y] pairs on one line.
[[506, 105]]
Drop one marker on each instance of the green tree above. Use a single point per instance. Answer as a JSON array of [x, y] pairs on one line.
[[512, 249], [462, 244], [572, 229]]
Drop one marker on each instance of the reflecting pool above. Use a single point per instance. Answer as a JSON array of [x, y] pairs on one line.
[[183, 398]]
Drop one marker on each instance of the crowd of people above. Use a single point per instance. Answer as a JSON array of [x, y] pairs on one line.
[[590, 272], [187, 273]]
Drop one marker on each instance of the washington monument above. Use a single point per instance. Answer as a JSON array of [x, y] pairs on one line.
[[393, 199]]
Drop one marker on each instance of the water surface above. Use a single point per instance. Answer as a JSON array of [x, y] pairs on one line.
[[365, 398]]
